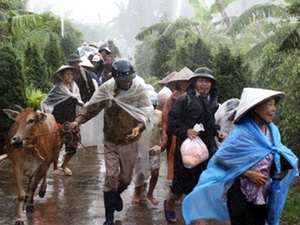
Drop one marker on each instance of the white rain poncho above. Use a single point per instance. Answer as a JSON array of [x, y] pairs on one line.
[[142, 114]]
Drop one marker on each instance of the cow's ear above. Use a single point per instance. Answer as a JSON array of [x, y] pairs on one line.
[[19, 108], [11, 113], [42, 116]]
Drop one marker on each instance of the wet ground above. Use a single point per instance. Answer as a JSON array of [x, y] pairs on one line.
[[78, 199]]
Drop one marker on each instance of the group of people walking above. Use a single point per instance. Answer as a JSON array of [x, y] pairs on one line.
[[233, 184]]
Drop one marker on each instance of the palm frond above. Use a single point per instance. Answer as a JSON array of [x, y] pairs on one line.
[[202, 14], [291, 42], [155, 28], [20, 21], [225, 3], [179, 24], [278, 38], [256, 12], [294, 9], [39, 38]]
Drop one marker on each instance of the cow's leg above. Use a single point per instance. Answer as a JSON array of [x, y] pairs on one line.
[[43, 187], [40, 173], [21, 193], [55, 163], [20, 220], [28, 190]]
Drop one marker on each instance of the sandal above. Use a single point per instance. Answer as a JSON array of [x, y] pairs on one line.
[[66, 171], [169, 215]]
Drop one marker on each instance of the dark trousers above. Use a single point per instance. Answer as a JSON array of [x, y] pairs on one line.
[[242, 212]]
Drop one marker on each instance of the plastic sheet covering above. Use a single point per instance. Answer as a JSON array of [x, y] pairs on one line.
[[274, 203], [142, 114], [86, 50], [224, 112], [92, 132]]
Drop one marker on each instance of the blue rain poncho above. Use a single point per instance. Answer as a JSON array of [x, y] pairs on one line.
[[243, 148]]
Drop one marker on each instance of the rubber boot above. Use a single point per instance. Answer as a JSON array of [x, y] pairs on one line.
[[109, 204], [119, 201]]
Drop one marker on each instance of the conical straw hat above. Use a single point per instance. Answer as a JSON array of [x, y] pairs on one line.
[[85, 62], [56, 77], [184, 74], [166, 79], [254, 96]]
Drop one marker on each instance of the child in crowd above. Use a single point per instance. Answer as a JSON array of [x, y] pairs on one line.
[[154, 154]]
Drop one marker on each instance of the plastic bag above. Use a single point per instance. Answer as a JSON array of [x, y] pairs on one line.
[[193, 152], [273, 202]]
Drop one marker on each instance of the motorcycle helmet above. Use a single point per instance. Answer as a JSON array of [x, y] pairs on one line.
[[123, 70]]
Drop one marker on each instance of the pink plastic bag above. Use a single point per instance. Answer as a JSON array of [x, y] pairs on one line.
[[193, 152]]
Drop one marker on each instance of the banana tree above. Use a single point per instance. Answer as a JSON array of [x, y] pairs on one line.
[[292, 40], [14, 21], [208, 29]]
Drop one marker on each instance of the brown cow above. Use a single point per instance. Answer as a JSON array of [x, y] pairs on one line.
[[32, 144]]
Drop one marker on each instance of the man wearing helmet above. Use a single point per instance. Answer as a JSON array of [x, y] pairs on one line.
[[127, 107]]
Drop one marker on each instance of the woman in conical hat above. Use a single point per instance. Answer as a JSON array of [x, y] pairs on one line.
[[181, 81], [63, 101], [251, 97], [238, 178]]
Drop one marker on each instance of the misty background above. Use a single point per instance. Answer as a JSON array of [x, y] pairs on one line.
[[111, 19]]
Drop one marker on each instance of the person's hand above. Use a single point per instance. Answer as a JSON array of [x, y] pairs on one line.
[[45, 108], [135, 133], [191, 133], [80, 103], [74, 125], [220, 135], [256, 177], [97, 53], [280, 176]]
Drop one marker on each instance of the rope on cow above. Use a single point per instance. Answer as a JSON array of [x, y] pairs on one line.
[[69, 136]]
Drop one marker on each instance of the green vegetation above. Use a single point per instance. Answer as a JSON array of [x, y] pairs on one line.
[[290, 214], [34, 96], [31, 50], [12, 87]]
